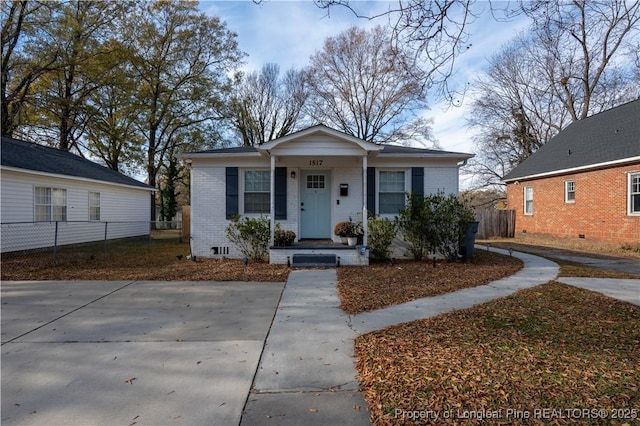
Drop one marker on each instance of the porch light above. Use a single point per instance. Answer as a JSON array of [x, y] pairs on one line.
[[293, 174]]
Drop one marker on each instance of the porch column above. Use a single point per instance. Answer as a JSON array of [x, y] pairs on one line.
[[365, 227], [272, 200]]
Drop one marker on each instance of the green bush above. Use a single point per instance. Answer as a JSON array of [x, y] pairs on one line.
[[382, 231], [251, 236], [434, 223]]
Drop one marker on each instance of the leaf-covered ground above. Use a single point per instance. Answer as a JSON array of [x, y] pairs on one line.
[[135, 260], [552, 347], [382, 284]]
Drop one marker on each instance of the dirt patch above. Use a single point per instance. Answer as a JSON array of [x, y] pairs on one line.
[[549, 347], [380, 285]]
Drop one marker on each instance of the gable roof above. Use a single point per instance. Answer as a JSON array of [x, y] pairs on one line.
[[603, 139], [24, 155], [379, 149]]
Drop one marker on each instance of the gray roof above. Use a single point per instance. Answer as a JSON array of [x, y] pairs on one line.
[[611, 135], [387, 149], [30, 156]]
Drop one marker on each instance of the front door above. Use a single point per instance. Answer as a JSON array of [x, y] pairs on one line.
[[315, 204]]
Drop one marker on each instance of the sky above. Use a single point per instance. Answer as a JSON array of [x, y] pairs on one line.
[[289, 32]]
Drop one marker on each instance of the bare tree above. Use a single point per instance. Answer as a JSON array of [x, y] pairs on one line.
[[364, 85], [266, 106], [434, 30], [576, 62]]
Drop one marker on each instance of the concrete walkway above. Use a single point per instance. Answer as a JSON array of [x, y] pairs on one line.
[[307, 374], [626, 290], [536, 271]]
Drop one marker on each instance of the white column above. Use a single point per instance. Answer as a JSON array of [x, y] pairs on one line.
[[365, 237], [272, 201]]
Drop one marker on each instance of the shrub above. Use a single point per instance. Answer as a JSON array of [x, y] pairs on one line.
[[435, 223], [282, 238], [251, 236], [382, 231]]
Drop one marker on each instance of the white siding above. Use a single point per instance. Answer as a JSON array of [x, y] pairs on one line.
[[351, 205], [441, 179], [117, 204]]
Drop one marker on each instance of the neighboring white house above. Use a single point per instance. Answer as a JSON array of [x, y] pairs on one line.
[[307, 182], [42, 186]]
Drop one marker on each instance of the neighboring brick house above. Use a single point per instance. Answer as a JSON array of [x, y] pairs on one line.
[[585, 182]]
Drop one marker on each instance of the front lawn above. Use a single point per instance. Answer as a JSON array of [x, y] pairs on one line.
[[380, 285], [552, 347]]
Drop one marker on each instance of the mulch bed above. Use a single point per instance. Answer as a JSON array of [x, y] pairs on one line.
[[380, 285], [550, 347]]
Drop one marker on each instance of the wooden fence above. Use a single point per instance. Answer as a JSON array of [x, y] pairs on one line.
[[185, 232], [496, 223]]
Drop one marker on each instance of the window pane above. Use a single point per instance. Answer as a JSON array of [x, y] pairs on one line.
[[257, 202], [391, 181], [60, 213], [391, 203], [94, 206], [59, 197], [635, 203], [42, 213], [257, 181], [528, 200]]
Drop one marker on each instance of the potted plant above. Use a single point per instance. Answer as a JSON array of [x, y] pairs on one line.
[[343, 230]]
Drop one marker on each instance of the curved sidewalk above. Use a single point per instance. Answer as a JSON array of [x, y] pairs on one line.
[[307, 374], [536, 271]]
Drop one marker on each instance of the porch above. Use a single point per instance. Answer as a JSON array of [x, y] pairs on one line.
[[312, 253]]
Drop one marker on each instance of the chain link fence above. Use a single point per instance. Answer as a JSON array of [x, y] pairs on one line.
[[57, 240]]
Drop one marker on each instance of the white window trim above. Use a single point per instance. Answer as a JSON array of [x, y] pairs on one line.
[[629, 178], [407, 183], [241, 201], [51, 205], [566, 191], [524, 199], [99, 206]]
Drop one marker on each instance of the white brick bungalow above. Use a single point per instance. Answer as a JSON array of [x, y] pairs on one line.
[[307, 182]]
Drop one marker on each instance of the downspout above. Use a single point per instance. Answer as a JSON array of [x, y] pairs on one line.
[[365, 218], [272, 200]]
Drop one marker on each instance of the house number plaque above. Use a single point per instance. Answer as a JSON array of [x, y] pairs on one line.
[[315, 162]]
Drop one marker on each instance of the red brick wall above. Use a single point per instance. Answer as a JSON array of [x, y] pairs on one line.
[[599, 211]]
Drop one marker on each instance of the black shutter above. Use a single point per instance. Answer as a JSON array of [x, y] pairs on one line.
[[231, 183], [281, 193], [417, 181], [371, 190]]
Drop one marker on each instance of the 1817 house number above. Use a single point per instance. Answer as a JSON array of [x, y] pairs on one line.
[[315, 162]]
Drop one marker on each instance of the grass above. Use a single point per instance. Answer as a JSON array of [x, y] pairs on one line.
[[553, 346]]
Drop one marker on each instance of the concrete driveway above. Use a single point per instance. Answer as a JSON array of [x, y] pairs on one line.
[[144, 353]]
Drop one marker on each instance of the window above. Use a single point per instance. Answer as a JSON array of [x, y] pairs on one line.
[[94, 206], [257, 189], [315, 181], [50, 204], [528, 200], [391, 192], [634, 193], [569, 191]]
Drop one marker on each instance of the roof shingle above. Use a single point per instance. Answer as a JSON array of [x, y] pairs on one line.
[[611, 135], [30, 156]]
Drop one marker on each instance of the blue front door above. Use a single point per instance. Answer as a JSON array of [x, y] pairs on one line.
[[315, 204]]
